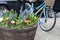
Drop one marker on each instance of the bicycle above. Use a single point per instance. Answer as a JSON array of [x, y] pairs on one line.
[[46, 20]]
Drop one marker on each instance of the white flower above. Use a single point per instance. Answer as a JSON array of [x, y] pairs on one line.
[[1, 19], [12, 22]]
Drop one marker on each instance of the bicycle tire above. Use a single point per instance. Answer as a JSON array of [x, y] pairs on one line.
[[25, 8], [46, 30], [4, 6]]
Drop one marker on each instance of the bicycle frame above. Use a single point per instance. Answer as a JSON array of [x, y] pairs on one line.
[[42, 20], [38, 8]]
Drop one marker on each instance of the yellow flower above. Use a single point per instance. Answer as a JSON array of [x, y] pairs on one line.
[[27, 21], [18, 22], [35, 17], [30, 20], [7, 18]]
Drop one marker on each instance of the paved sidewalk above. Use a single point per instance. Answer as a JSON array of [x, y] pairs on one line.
[[52, 35]]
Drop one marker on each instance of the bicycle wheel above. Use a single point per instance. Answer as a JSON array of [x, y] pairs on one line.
[[25, 8], [3, 8], [47, 21]]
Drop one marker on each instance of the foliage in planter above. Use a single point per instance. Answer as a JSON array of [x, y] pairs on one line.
[[9, 19]]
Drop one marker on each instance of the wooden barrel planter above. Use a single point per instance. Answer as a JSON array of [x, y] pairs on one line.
[[18, 34]]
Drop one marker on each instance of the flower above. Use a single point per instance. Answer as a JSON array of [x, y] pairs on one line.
[[9, 23], [17, 22], [6, 18], [12, 22], [1, 19], [35, 17], [27, 20]]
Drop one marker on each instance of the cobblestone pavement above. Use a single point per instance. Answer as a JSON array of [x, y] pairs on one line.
[[51, 35]]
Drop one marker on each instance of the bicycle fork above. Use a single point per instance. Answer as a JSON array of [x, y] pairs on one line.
[[45, 14], [44, 20]]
